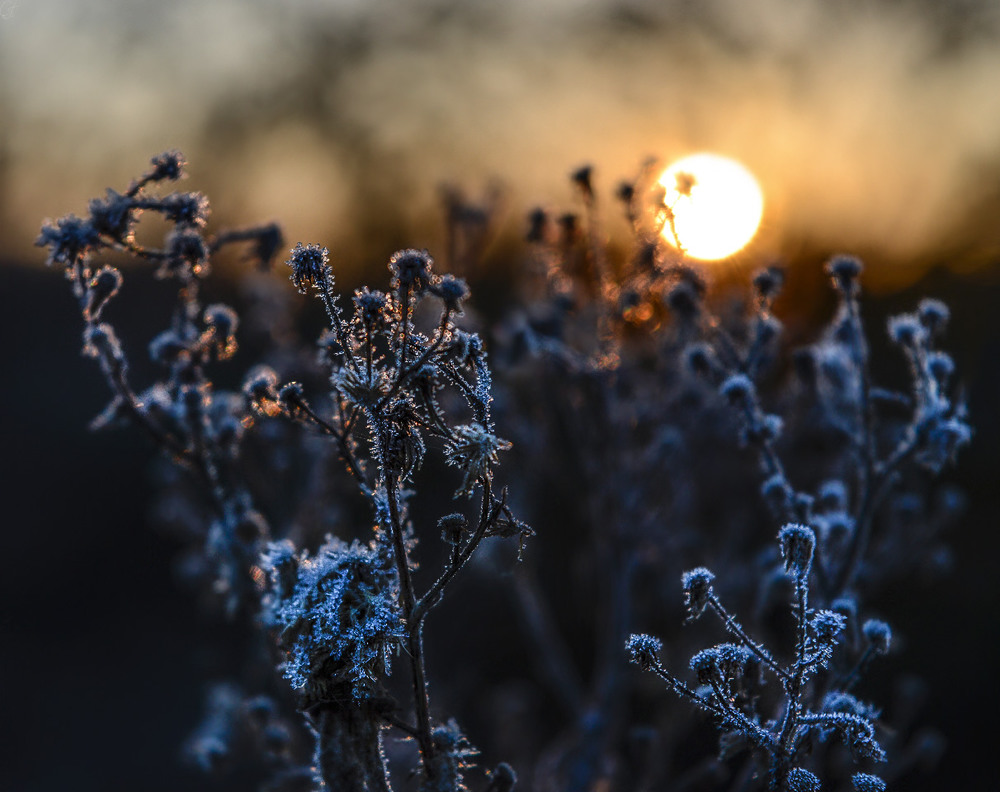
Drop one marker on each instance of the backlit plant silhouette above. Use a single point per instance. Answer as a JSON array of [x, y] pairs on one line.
[[625, 394]]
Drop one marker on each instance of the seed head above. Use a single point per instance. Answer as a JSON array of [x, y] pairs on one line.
[[189, 209], [310, 266], [738, 390], [879, 635], [767, 283], [168, 165], [112, 215], [941, 367], [697, 585], [933, 314], [538, 221], [411, 268], [907, 330], [865, 782], [826, 625], [187, 252], [705, 665], [369, 306], [845, 271], [452, 291], [68, 239], [801, 780], [583, 178], [797, 545], [644, 650], [832, 496]]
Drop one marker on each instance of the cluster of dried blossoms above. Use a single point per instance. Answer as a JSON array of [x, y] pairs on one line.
[[624, 393]]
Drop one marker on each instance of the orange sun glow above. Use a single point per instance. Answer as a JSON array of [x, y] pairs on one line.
[[716, 205]]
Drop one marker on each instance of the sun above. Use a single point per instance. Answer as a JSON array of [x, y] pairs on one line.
[[716, 205]]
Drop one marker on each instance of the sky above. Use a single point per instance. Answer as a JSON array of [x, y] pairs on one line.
[[873, 127]]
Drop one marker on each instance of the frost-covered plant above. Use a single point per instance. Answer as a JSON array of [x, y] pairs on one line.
[[653, 431], [340, 612], [826, 549], [654, 386], [199, 426], [395, 390], [731, 675]]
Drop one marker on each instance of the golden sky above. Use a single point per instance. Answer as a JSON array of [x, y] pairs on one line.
[[873, 127]]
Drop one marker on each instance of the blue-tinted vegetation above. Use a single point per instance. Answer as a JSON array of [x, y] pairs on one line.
[[641, 428]]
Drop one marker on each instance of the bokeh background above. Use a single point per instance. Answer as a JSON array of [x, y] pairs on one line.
[[873, 127]]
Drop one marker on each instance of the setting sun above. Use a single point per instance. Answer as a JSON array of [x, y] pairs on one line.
[[716, 205]]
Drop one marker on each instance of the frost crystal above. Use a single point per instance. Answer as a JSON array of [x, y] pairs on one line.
[[340, 620]]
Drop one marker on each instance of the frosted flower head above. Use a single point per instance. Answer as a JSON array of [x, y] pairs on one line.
[[942, 443], [733, 659], [846, 606], [411, 268], [826, 625], [844, 270], [907, 330], [768, 282], [167, 348], [453, 291], [69, 239], [267, 241], [738, 390], [310, 266], [700, 359], [697, 585], [369, 306], [169, 165], [473, 449], [684, 300], [797, 545], [112, 215], [261, 383], [453, 528], [340, 617], [705, 665], [878, 634], [801, 780], [832, 496], [865, 782], [764, 430], [940, 366], [187, 252], [933, 315], [644, 650], [777, 493], [222, 322], [190, 209], [260, 388]]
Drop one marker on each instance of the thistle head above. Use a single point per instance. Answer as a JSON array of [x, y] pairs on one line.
[[844, 271], [411, 268], [866, 782], [644, 650], [697, 585], [878, 634], [798, 543], [310, 266], [801, 780]]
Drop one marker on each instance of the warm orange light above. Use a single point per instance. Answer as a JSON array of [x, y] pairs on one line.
[[715, 203]]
